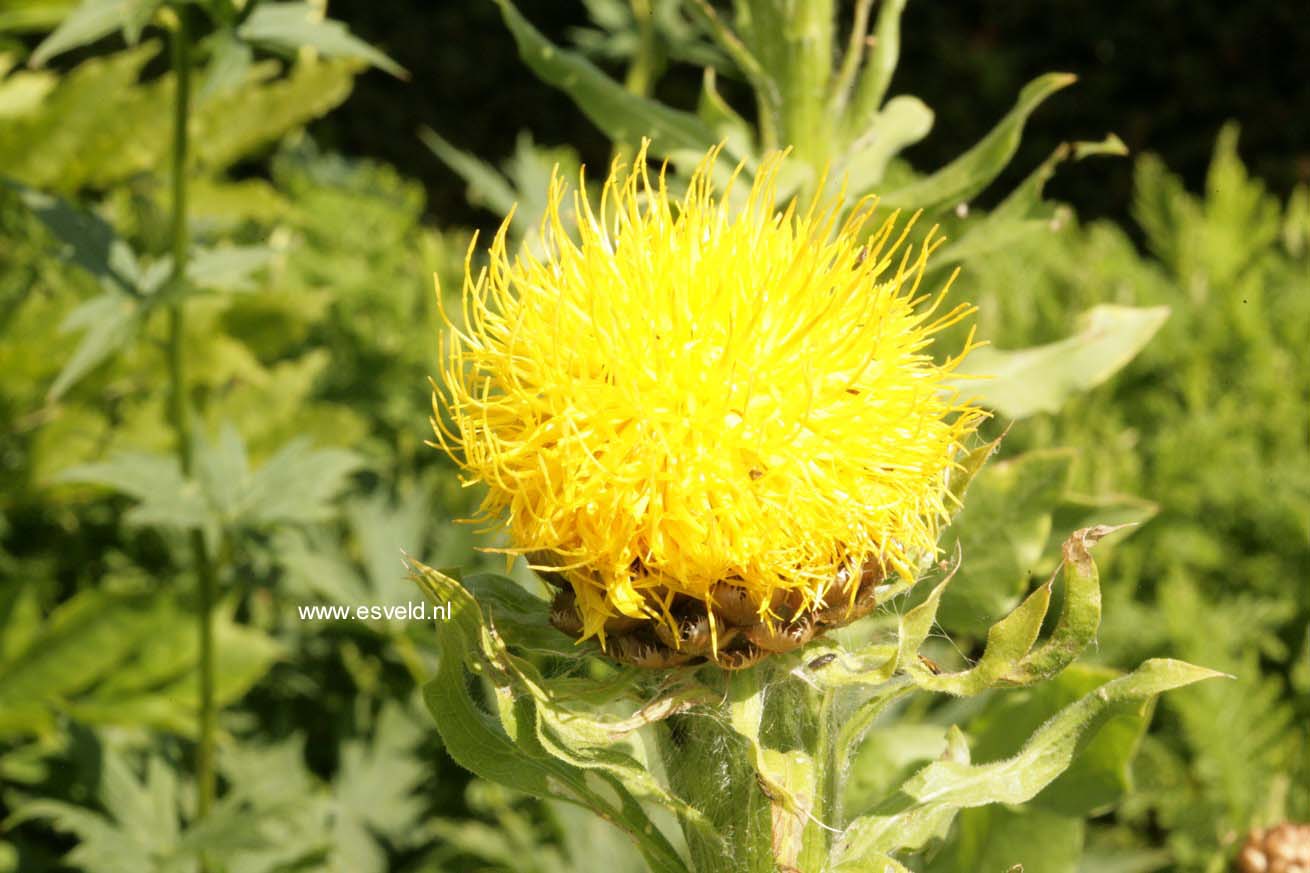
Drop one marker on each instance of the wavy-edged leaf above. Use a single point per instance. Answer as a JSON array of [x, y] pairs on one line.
[[1001, 534], [1080, 617], [1009, 657], [1100, 775], [520, 746], [1024, 382], [928, 801], [622, 115], [901, 123], [972, 171], [1008, 641], [1022, 213]]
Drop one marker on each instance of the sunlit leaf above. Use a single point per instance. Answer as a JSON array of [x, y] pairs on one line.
[[929, 800], [972, 171], [1024, 382], [94, 19], [290, 26]]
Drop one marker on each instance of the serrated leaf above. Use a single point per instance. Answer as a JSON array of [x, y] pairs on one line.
[[623, 116], [84, 639], [288, 27], [109, 323], [297, 485], [92, 20], [165, 496], [85, 239], [1025, 382], [972, 171], [228, 268]]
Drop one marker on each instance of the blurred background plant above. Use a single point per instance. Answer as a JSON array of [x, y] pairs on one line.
[[309, 333]]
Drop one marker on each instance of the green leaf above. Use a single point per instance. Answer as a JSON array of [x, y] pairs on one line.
[[928, 801], [901, 123], [1008, 641], [1001, 534], [1022, 213], [1080, 617], [296, 485], [109, 322], [141, 831], [531, 744], [230, 60], [1099, 776], [961, 475], [287, 27], [1024, 382], [165, 496], [92, 20], [377, 790], [623, 116], [972, 171], [82, 641], [1009, 657], [879, 67], [999, 838], [228, 268], [84, 238], [486, 186]]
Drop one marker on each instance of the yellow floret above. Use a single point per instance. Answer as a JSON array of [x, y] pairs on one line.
[[685, 391]]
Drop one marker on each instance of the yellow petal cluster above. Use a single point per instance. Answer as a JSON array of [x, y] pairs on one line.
[[697, 387]]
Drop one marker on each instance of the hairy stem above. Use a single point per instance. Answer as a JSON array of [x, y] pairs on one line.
[[180, 412], [827, 788]]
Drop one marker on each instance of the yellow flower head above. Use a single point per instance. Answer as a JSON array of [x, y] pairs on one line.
[[713, 425]]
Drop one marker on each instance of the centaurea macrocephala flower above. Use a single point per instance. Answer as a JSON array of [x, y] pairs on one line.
[[715, 424]]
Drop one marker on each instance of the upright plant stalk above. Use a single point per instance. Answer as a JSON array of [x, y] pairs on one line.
[[180, 412], [644, 69]]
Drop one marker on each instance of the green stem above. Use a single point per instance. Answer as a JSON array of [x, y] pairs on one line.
[[645, 63], [180, 413], [644, 68], [827, 789], [794, 41]]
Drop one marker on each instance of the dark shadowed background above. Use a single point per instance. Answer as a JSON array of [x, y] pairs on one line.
[[1162, 74]]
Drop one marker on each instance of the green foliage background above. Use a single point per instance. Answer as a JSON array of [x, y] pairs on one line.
[[311, 333]]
